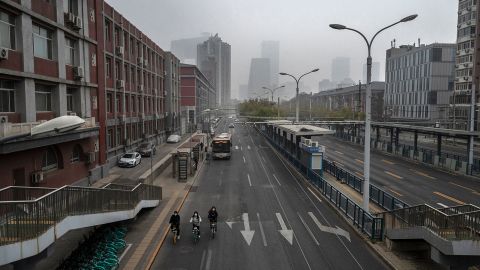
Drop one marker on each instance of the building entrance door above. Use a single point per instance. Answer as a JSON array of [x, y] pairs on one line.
[[19, 177]]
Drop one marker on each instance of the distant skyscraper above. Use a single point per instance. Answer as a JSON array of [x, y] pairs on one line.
[[375, 72], [186, 49], [259, 76], [243, 91], [270, 50], [214, 61], [326, 84], [340, 69]]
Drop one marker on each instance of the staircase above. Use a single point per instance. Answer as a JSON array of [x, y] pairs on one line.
[[31, 218]]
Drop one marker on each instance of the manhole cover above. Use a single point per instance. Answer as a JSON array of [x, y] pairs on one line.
[[185, 250]]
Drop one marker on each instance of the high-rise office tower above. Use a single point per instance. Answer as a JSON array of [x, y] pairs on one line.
[[375, 72], [259, 76], [214, 61], [186, 49], [340, 69], [270, 50]]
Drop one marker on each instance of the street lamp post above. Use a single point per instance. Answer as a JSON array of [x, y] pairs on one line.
[[273, 90], [368, 99], [297, 110]]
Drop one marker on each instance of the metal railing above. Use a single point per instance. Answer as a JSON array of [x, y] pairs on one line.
[[27, 218], [368, 224], [460, 226]]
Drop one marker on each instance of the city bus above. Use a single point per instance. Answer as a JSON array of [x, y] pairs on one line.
[[222, 146]]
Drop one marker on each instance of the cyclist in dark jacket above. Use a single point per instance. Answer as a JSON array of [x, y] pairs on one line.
[[212, 214], [175, 222]]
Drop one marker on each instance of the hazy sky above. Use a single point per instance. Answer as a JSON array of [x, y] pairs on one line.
[[301, 26]]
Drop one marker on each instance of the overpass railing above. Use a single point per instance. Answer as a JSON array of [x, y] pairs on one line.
[[27, 213], [367, 223]]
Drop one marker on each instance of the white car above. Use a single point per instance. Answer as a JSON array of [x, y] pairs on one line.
[[174, 138], [130, 160]]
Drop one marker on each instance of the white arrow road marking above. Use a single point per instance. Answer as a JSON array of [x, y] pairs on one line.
[[249, 181], [230, 223], [248, 146], [288, 234], [247, 233], [261, 231], [277, 180], [308, 229], [337, 230]]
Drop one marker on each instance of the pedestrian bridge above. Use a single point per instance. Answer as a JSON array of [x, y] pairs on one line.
[[31, 219], [451, 232]]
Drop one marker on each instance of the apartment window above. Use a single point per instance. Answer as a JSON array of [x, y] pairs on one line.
[[108, 67], [132, 73], [134, 107], [126, 73], [76, 152], [132, 46], [109, 103], [118, 70], [7, 30], [127, 104], [42, 42], [70, 99], [119, 104], [119, 136], [70, 6], [118, 37], [108, 34], [70, 48], [110, 138], [43, 98], [49, 160], [7, 96]]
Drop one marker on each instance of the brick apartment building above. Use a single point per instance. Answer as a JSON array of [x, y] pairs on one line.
[[172, 88], [64, 57]]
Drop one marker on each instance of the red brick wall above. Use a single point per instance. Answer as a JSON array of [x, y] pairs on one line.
[[69, 72], [12, 117], [45, 115], [46, 67], [14, 61], [45, 8]]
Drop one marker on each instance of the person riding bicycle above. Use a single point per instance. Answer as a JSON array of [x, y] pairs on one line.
[[195, 220], [213, 214], [175, 222]]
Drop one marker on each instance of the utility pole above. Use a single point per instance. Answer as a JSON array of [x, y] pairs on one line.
[[278, 108], [311, 96]]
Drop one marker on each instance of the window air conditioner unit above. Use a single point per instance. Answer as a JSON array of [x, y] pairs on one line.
[[72, 113], [469, 22], [465, 65], [145, 63], [314, 144], [3, 119], [3, 54], [140, 61], [37, 177], [469, 8], [120, 50], [140, 88], [307, 142], [472, 35], [69, 18], [164, 73], [90, 157], [465, 78], [165, 93], [120, 84], [78, 23], [78, 72]]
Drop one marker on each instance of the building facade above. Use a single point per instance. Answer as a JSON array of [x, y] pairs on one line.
[[83, 58], [419, 82], [352, 97], [340, 69], [271, 50], [467, 68], [259, 76], [172, 93], [197, 95], [186, 49], [214, 61]]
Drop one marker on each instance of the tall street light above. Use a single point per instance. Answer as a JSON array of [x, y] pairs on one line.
[[273, 90], [297, 111], [368, 99]]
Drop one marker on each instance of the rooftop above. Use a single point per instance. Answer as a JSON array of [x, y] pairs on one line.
[[306, 130]]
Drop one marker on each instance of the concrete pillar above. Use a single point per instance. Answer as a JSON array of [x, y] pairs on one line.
[[26, 3], [25, 42], [439, 145], [60, 53], [59, 100], [415, 141], [25, 101]]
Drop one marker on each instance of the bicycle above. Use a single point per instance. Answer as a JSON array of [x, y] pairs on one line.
[[175, 234], [213, 229], [196, 234]]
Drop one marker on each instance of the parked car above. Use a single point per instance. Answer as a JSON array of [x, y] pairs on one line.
[[147, 149], [174, 138], [231, 126], [130, 160]]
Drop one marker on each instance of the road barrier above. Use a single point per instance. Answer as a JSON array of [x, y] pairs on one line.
[[367, 223]]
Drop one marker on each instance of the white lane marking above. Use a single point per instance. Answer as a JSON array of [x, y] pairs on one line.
[[241, 148], [236, 147], [244, 161], [124, 252], [288, 234], [249, 181], [337, 230], [442, 205], [308, 229], [230, 223], [264, 159], [248, 147], [209, 259], [261, 230], [277, 180], [252, 139], [247, 233], [313, 193], [203, 259]]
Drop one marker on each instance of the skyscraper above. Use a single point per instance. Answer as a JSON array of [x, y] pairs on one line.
[[186, 49], [270, 50], [214, 61], [243, 91], [340, 69], [375, 72], [259, 76]]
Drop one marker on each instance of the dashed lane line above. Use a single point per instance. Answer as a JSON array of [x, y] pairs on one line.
[[388, 162], [395, 192], [313, 193], [308, 230], [467, 188], [423, 174], [338, 152], [359, 161], [448, 197], [244, 160], [249, 181], [279, 184], [394, 175], [264, 239]]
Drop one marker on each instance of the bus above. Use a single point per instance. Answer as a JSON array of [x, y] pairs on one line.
[[221, 146]]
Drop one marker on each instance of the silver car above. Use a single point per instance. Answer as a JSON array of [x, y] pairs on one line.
[[130, 160]]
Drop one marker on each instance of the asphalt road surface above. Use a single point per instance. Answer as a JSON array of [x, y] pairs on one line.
[[267, 218], [411, 182]]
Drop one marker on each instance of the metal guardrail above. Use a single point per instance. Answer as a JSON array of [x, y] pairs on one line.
[[368, 224], [26, 213], [377, 195], [460, 226]]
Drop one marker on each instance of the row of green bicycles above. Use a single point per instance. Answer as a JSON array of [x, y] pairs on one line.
[[100, 251]]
